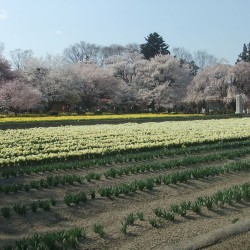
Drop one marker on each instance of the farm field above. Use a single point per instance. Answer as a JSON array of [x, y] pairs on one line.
[[33, 121], [126, 186], [23, 119]]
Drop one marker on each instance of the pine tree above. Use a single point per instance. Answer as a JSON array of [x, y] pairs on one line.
[[245, 55], [155, 45], [248, 58], [193, 67]]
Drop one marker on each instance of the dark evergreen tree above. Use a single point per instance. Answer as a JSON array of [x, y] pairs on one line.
[[193, 67], [245, 55], [155, 45]]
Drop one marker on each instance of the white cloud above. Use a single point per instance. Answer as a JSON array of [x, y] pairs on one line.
[[59, 33], [3, 14]]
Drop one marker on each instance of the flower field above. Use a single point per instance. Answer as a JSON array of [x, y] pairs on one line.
[[59, 143], [16, 119], [124, 186]]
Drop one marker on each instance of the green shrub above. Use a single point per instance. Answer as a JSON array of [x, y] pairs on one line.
[[196, 207], [98, 229], [34, 206], [52, 201], [140, 216], [26, 187], [168, 216], [20, 209], [5, 211], [158, 211], [45, 205], [92, 194], [53, 113], [153, 222], [124, 227], [130, 219], [82, 196], [81, 112], [208, 202]]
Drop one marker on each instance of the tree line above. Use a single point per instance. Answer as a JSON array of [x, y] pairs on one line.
[[131, 78]]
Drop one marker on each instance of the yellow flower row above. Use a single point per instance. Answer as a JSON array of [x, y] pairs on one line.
[[88, 117]]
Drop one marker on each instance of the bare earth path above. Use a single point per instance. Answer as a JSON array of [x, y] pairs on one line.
[[110, 212]]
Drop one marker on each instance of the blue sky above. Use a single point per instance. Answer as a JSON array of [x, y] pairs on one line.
[[49, 26]]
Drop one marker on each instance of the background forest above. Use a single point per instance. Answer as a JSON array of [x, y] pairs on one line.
[[115, 78]]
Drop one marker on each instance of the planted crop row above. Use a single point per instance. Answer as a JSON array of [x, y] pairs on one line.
[[130, 220], [70, 179], [113, 172], [75, 198], [186, 161], [40, 145], [173, 178], [130, 157], [21, 209], [150, 183], [69, 238], [50, 181], [220, 198], [127, 188], [226, 196], [90, 116], [132, 187], [63, 239]]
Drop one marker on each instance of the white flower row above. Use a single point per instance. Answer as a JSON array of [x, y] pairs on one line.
[[36, 144]]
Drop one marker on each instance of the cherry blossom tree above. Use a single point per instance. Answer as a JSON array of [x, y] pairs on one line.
[[44, 75], [97, 82], [18, 96], [163, 80], [80, 84], [213, 83], [124, 66], [113, 50], [241, 73]]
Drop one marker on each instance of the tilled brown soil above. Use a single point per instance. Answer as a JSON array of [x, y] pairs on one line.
[[110, 212], [241, 241]]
